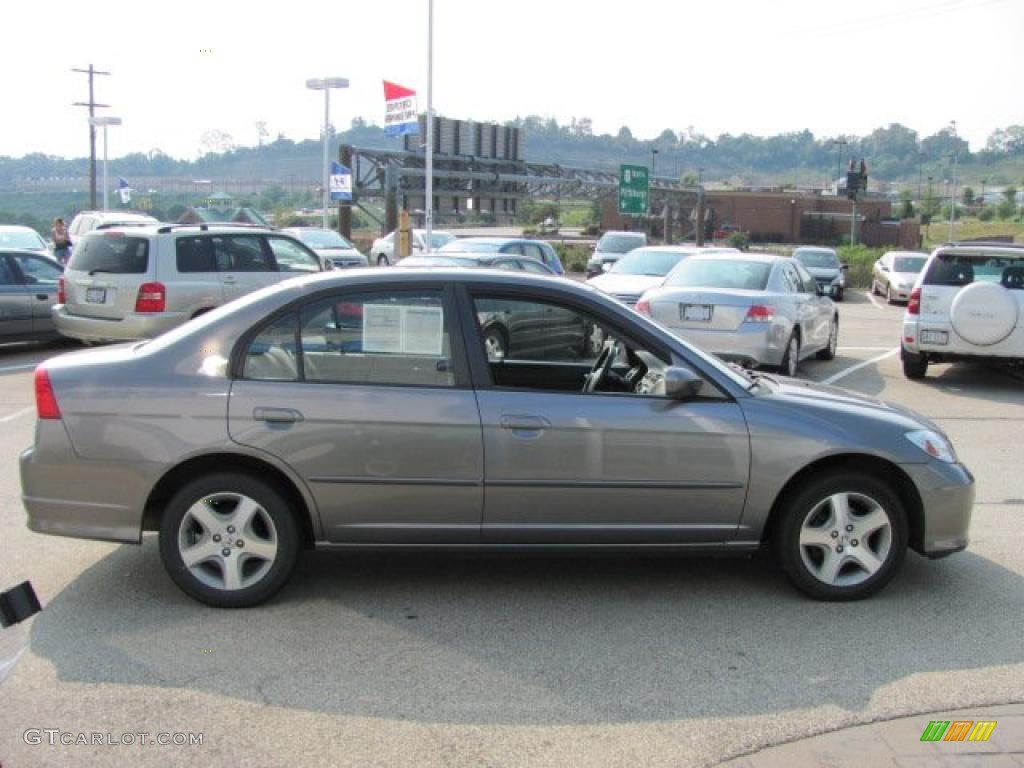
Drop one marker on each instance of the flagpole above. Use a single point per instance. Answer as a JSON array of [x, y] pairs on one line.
[[429, 203]]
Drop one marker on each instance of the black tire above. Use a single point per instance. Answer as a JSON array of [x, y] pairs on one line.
[[829, 352], [790, 364], [495, 343], [839, 294], [888, 294], [914, 366], [285, 532], [806, 502], [383, 261]]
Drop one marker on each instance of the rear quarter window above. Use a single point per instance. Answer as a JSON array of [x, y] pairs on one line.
[[111, 252], [959, 269]]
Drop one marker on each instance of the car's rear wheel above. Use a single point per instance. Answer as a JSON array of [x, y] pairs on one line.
[[829, 352], [229, 540], [841, 536], [382, 261], [791, 358], [914, 366]]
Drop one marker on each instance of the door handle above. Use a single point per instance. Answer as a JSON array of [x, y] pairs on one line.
[[277, 415], [228, 279], [520, 423], [42, 296]]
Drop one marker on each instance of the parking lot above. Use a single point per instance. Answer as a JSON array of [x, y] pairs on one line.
[[512, 660]]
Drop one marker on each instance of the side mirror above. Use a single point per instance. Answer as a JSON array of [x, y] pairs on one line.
[[844, 266], [819, 290], [682, 383], [883, 267]]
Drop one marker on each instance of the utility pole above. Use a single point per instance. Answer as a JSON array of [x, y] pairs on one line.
[[91, 104], [839, 144]]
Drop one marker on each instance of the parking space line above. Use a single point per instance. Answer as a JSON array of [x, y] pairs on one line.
[[854, 368], [865, 349], [871, 298], [17, 414], [18, 367]]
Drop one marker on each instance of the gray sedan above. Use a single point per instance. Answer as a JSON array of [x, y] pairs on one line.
[[753, 309], [360, 409], [28, 289]]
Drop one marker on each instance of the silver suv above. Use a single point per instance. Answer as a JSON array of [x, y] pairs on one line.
[[967, 304], [137, 282]]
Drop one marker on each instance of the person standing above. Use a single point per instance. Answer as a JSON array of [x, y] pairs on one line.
[[61, 241]]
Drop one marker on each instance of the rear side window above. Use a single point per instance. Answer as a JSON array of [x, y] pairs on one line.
[[111, 252], [958, 269], [6, 273], [240, 253], [194, 254]]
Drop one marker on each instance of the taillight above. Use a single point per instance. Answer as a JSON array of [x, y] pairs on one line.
[[61, 296], [643, 307], [914, 305], [46, 401], [760, 313], [152, 298]]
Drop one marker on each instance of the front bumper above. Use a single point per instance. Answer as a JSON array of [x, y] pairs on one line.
[[947, 498], [131, 327]]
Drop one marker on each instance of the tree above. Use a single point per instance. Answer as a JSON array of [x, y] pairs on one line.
[[216, 141], [1008, 207], [625, 134], [906, 204], [967, 196]]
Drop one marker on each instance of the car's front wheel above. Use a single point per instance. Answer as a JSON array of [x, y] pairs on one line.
[[841, 536], [791, 358], [229, 540], [829, 352]]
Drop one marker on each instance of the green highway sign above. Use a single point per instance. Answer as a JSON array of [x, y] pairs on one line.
[[633, 190]]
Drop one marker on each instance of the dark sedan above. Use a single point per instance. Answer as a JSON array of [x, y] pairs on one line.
[[28, 288]]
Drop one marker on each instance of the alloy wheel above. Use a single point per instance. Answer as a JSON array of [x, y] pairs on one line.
[[845, 539]]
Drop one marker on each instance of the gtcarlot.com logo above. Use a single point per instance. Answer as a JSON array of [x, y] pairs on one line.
[[55, 736], [958, 730]]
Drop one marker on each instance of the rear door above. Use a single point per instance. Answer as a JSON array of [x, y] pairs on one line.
[[103, 277], [367, 397], [244, 263], [40, 276], [15, 302]]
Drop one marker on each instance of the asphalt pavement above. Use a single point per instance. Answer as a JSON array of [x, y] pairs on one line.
[[442, 660]]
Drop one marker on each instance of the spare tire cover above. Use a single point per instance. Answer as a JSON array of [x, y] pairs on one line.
[[983, 313]]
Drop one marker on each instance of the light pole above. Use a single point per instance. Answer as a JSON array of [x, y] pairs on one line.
[[325, 84], [952, 191], [839, 144], [700, 176], [103, 122], [654, 154]]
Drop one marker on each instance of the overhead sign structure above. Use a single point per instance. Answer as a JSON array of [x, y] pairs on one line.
[[633, 190], [400, 116], [340, 182]]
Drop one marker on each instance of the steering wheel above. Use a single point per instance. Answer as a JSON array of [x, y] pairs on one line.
[[603, 364]]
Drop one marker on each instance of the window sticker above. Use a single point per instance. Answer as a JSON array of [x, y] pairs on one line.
[[403, 330]]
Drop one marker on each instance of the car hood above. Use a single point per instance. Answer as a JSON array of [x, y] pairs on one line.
[[824, 273], [613, 283], [830, 402]]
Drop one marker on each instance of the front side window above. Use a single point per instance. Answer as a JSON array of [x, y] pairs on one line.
[[547, 346], [37, 271], [292, 257], [240, 253], [194, 254]]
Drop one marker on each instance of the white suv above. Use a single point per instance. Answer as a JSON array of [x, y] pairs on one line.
[[967, 304], [137, 282]]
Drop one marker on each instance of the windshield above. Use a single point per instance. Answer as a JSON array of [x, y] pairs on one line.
[[908, 263], [620, 243], [818, 259], [645, 261], [322, 238], [468, 245], [439, 239], [734, 274], [26, 239]]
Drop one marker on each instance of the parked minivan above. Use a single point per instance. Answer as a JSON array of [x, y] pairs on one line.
[[137, 282]]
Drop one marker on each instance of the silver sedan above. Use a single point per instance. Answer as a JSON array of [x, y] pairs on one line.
[[753, 309], [894, 275]]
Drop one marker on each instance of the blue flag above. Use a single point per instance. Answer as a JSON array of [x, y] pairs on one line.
[[340, 182]]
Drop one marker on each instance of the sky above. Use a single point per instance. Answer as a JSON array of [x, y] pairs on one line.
[[762, 67]]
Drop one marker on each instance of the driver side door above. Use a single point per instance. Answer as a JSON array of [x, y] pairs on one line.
[[609, 467]]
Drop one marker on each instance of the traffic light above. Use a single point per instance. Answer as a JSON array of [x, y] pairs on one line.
[[856, 179]]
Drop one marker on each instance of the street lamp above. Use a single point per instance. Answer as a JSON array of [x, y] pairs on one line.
[[325, 84], [840, 143], [104, 122], [654, 153], [952, 191]]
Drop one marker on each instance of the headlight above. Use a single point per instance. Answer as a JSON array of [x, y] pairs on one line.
[[934, 444], [607, 265], [839, 280]]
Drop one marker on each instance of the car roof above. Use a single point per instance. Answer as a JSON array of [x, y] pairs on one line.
[[815, 248], [625, 232], [707, 249], [16, 228], [906, 253], [763, 258], [497, 240], [165, 229], [119, 215]]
